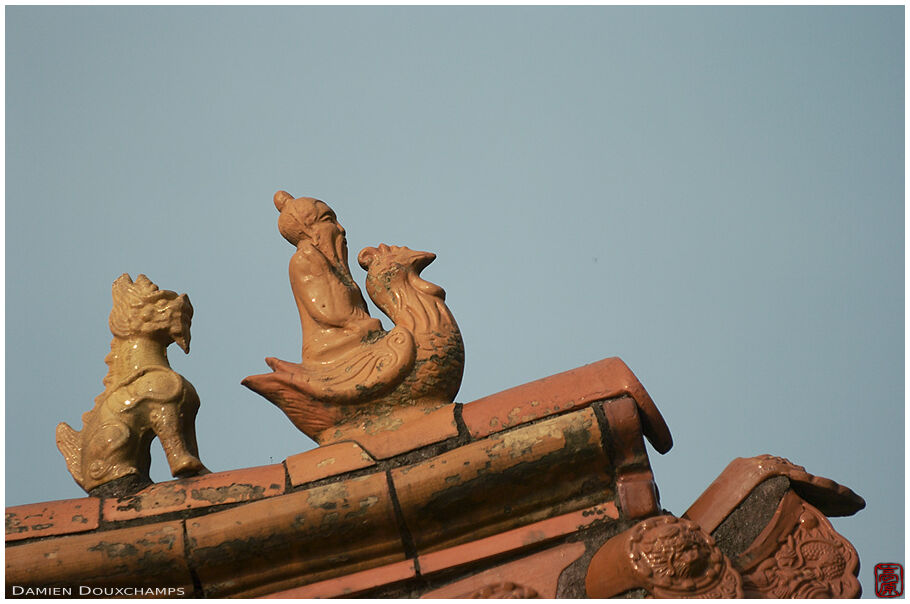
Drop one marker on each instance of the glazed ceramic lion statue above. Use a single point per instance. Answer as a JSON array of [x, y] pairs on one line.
[[143, 397]]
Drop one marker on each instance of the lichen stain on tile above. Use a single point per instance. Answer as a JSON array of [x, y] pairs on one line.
[[368, 502], [531, 444], [14, 525], [160, 496], [364, 506], [328, 497], [330, 518], [326, 462], [229, 493], [115, 550], [374, 428]]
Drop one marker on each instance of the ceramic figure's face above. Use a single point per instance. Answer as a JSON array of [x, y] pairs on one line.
[[305, 219], [325, 232], [167, 317], [181, 317]]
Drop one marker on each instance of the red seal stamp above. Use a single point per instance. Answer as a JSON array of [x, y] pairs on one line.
[[889, 580]]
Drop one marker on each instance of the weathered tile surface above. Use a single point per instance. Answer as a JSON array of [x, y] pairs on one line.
[[219, 488], [149, 555], [515, 539], [743, 474], [52, 518], [571, 389], [289, 540], [505, 481], [534, 576], [323, 462], [350, 585], [434, 427]]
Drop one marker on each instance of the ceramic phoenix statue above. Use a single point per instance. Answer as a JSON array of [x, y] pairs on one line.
[[143, 397], [353, 375]]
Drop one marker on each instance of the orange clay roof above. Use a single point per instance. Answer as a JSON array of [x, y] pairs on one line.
[[465, 483]]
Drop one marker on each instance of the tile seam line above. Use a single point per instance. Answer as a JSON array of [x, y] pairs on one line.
[[407, 540], [287, 478], [463, 431], [198, 589], [608, 445]]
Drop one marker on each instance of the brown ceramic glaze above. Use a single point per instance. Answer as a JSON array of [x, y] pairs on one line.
[[668, 557], [143, 398], [799, 555], [634, 482], [742, 475], [354, 376]]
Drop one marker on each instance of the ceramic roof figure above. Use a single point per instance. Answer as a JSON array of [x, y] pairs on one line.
[[354, 376], [143, 398], [543, 490]]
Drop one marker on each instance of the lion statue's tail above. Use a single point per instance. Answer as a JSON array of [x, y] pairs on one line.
[[68, 442]]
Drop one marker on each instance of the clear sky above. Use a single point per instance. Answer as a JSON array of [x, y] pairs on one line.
[[716, 195]]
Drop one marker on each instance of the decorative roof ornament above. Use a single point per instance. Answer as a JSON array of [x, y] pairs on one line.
[[543, 490], [143, 397], [354, 377]]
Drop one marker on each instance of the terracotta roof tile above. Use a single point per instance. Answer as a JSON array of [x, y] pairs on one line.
[[504, 481], [219, 488], [150, 555], [352, 584], [635, 482], [516, 539], [536, 576], [326, 461], [434, 427], [307, 536], [571, 389], [533, 466], [52, 518], [743, 474]]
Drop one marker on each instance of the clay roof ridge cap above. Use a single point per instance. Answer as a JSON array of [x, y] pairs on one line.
[[654, 426]]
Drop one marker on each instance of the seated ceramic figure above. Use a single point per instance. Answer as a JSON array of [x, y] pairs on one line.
[[143, 397], [351, 370]]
